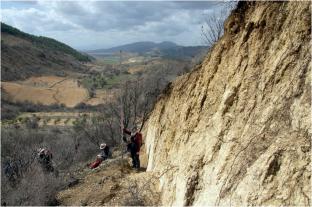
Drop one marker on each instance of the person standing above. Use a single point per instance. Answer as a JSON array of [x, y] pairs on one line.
[[134, 146]]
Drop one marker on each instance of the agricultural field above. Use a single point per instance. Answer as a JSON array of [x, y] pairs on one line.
[[42, 119], [53, 118], [110, 60], [101, 96], [46, 90]]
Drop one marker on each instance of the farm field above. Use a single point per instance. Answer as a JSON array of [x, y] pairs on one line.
[[54, 118], [101, 96], [46, 90]]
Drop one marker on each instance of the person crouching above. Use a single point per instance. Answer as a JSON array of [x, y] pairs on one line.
[[45, 159], [104, 154]]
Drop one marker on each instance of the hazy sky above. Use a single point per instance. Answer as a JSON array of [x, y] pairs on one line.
[[102, 24]]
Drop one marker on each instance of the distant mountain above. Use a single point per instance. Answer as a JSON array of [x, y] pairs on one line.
[[163, 49], [24, 55], [182, 52], [136, 47]]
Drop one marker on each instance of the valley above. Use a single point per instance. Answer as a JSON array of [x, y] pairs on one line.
[[73, 105], [98, 83], [149, 122]]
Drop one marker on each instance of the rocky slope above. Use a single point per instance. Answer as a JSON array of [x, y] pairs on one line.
[[236, 131], [113, 183]]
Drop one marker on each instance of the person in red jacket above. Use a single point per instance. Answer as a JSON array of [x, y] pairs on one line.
[[134, 146], [105, 153]]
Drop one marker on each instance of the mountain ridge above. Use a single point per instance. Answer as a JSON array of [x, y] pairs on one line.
[[24, 55], [41, 41], [164, 49], [140, 46]]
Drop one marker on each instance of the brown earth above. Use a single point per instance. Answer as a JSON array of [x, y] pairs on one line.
[[136, 69], [101, 96], [46, 90], [112, 183]]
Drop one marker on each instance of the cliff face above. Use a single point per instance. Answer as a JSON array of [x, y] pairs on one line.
[[236, 130]]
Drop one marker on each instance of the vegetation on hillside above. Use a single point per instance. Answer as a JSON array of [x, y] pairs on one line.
[[73, 146], [23, 176], [44, 42]]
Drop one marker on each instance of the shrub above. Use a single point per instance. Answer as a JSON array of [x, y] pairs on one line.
[[31, 123], [28, 184]]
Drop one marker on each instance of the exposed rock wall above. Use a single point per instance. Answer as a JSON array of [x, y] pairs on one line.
[[237, 129]]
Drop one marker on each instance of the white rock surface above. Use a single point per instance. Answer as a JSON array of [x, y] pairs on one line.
[[236, 131]]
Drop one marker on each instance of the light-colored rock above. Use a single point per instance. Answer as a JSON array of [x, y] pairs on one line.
[[236, 131]]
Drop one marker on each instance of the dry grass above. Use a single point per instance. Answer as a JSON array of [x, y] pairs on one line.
[[102, 96], [46, 90], [113, 183]]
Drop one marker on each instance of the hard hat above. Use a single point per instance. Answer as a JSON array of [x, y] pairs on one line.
[[41, 150], [102, 146]]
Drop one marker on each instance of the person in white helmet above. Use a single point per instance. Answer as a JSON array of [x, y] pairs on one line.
[[45, 159], [105, 153]]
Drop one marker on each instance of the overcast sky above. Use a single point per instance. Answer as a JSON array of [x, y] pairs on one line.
[[102, 24]]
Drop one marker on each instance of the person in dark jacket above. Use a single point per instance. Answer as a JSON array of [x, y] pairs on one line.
[[45, 159], [104, 154], [134, 146], [104, 151]]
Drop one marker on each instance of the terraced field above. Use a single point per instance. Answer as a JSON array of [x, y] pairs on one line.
[[53, 118]]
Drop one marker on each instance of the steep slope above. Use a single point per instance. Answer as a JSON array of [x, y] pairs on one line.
[[236, 131], [24, 55]]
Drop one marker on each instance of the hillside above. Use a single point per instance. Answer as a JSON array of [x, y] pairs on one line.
[[236, 130], [24, 55]]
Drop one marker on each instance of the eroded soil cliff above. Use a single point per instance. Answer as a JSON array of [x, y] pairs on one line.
[[236, 131]]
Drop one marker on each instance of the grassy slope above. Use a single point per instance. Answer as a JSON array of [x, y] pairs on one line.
[[44, 42], [24, 55]]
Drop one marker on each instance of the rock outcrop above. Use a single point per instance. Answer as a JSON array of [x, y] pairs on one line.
[[236, 130]]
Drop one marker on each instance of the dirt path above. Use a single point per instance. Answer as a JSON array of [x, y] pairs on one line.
[[54, 84], [54, 96]]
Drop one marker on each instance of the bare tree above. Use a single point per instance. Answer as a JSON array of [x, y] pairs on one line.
[[213, 27], [22, 174], [136, 101], [99, 127]]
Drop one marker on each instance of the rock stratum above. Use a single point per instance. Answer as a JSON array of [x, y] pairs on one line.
[[236, 130]]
